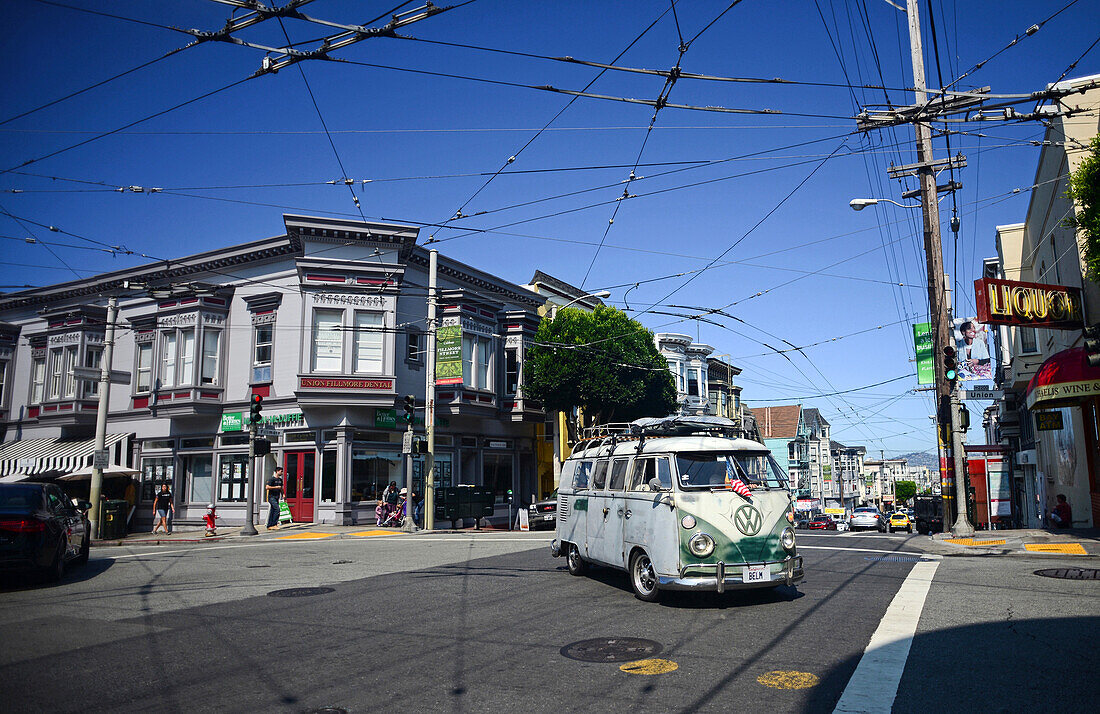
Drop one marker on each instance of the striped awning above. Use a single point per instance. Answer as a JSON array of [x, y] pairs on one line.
[[31, 457]]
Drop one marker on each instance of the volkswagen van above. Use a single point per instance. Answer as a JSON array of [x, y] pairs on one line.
[[654, 498]]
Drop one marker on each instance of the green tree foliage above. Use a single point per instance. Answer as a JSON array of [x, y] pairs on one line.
[[1084, 189], [904, 490], [615, 373]]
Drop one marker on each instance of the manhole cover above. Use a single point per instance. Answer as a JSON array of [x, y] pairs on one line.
[[299, 592], [611, 649], [894, 558], [1070, 573], [328, 710]]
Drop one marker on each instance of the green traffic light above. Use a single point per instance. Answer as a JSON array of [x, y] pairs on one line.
[[951, 375]]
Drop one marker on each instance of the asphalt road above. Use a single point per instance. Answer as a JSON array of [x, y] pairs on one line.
[[479, 622]]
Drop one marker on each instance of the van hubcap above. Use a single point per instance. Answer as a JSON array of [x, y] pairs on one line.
[[643, 573]]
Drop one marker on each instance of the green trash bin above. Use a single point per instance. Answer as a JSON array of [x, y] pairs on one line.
[[113, 520]]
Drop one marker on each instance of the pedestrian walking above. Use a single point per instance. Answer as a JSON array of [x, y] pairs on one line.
[[162, 508], [274, 488]]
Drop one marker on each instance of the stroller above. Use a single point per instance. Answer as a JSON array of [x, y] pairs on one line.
[[395, 515]]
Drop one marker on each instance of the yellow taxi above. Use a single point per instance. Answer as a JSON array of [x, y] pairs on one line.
[[899, 521]]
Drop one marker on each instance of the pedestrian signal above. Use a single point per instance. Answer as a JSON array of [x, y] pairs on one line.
[[1092, 345]]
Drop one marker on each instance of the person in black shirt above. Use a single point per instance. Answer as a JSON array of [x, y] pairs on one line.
[[274, 494], [162, 506]]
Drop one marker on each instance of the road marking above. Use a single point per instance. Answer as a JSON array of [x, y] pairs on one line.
[[650, 666], [972, 541], [1063, 548], [874, 684], [788, 680], [867, 550], [306, 536], [364, 534], [156, 550]]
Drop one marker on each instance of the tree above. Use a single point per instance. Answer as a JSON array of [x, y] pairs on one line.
[[601, 361], [904, 491], [1084, 189]]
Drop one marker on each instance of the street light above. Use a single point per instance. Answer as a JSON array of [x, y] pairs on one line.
[[858, 204]]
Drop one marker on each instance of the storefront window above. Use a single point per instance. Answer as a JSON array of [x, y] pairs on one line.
[[442, 473], [234, 474], [496, 474], [199, 470], [154, 472], [328, 476], [372, 471]]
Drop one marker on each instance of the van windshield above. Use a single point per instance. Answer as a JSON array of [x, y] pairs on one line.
[[709, 469]]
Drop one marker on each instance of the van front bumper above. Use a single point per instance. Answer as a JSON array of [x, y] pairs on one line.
[[729, 576]]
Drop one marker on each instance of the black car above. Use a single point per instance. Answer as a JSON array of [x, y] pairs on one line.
[[544, 513], [41, 529]]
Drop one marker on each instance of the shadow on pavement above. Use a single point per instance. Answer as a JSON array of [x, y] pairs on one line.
[[27, 580], [1034, 665]]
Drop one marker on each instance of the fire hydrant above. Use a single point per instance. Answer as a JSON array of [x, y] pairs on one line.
[[210, 519]]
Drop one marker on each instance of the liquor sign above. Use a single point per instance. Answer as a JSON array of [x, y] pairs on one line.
[[448, 355], [1048, 421], [1008, 302], [922, 341], [232, 421]]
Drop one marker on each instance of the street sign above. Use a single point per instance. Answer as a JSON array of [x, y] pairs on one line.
[[982, 392], [100, 459], [407, 442], [91, 374], [267, 432]]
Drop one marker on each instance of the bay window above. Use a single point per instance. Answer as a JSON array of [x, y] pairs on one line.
[[38, 380], [144, 367], [187, 357], [368, 342], [168, 359], [93, 356], [476, 357], [211, 339], [327, 353], [511, 371]]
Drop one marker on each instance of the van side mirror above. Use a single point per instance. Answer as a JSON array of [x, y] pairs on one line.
[[84, 506], [655, 484]]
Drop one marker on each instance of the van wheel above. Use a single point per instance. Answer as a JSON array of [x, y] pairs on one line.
[[643, 578], [575, 563]]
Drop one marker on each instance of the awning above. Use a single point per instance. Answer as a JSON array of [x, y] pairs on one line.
[[1063, 380], [39, 457]]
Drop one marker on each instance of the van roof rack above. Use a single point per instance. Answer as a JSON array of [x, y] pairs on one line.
[[665, 426]]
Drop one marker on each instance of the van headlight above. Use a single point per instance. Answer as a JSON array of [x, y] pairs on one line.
[[688, 521], [786, 539], [701, 545]]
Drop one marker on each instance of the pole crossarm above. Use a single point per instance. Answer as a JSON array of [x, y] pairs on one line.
[[958, 161]]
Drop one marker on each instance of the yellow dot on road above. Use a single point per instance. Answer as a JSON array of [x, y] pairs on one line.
[[650, 666], [788, 680]]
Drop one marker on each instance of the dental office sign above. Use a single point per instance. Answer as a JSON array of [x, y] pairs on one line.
[[1007, 302]]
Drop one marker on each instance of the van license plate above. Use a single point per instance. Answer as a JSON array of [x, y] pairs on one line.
[[756, 574], [548, 518]]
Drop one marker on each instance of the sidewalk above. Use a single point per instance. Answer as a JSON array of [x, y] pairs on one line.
[[196, 535], [1030, 542]]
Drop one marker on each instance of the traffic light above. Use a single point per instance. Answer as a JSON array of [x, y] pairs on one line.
[[950, 364], [1092, 345], [410, 408], [964, 418], [254, 411]]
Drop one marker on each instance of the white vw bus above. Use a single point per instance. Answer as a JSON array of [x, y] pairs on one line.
[[652, 498]]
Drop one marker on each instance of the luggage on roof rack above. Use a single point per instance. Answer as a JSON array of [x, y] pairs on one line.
[[665, 426]]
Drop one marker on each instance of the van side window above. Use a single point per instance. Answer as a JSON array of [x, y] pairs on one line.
[[567, 470], [648, 469], [599, 478], [618, 475], [584, 469]]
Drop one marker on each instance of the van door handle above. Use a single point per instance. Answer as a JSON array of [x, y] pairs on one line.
[[620, 512], [605, 510], [627, 513]]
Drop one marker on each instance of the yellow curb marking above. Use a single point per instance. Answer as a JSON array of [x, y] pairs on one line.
[[971, 541], [650, 666], [1063, 548], [788, 680], [306, 536], [373, 533]]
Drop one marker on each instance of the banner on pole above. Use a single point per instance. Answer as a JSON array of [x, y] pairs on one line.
[[922, 341], [448, 355]]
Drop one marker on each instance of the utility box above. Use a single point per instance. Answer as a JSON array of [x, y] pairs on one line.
[[455, 503]]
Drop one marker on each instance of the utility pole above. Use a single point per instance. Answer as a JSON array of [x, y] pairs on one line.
[[941, 331], [429, 406], [101, 416]]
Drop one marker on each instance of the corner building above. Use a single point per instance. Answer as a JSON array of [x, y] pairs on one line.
[[328, 323]]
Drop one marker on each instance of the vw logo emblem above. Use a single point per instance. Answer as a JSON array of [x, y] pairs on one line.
[[748, 520]]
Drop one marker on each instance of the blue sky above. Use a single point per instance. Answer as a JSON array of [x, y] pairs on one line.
[[762, 199]]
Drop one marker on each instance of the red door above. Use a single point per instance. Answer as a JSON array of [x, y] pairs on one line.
[[299, 468]]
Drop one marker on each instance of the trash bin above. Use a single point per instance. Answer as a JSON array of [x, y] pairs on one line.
[[113, 520]]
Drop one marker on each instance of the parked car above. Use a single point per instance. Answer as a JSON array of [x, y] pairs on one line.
[[41, 529], [840, 521], [899, 520], [822, 522], [867, 518], [544, 513]]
